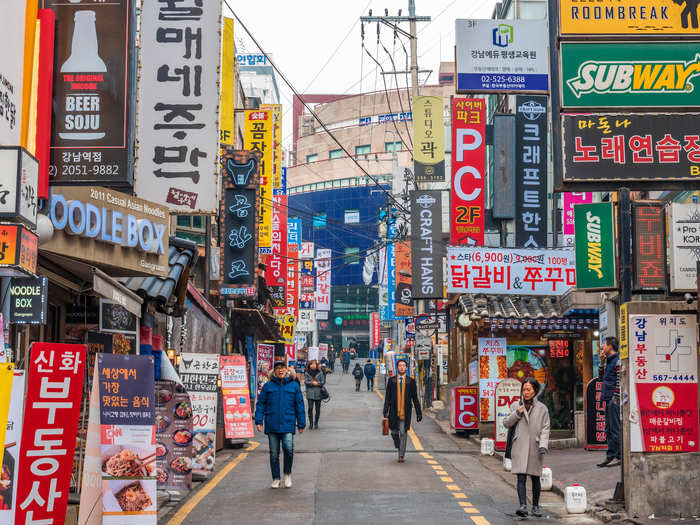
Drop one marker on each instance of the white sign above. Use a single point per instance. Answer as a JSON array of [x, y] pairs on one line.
[[507, 393], [424, 344], [12, 25], [322, 316], [323, 279], [314, 353], [685, 246], [510, 271], [502, 55], [306, 321], [352, 216], [178, 102], [306, 250], [18, 187]]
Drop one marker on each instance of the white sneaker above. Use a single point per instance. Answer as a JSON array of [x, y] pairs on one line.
[[287, 481], [275, 484]]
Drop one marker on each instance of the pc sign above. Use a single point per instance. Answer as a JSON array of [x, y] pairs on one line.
[[497, 56], [465, 408]]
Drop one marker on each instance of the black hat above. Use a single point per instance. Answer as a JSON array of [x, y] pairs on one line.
[[279, 363]]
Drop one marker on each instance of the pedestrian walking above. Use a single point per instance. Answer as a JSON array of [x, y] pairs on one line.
[[331, 357], [280, 407], [370, 372], [345, 358], [314, 379], [358, 375], [530, 418], [401, 395], [609, 374]]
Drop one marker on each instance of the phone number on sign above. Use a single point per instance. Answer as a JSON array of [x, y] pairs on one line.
[[503, 79], [82, 169], [668, 377]]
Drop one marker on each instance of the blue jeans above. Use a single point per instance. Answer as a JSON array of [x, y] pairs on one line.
[[370, 383], [287, 441], [612, 428]]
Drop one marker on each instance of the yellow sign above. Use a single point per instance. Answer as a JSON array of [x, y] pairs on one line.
[[629, 17], [287, 323], [276, 144], [428, 139], [258, 137], [228, 90], [7, 374], [624, 333]]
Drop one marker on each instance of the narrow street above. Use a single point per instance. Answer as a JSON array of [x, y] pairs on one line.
[[346, 472]]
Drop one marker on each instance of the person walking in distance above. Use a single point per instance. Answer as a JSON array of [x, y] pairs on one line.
[[370, 372], [358, 375], [280, 407], [530, 442], [331, 358], [609, 374], [345, 358], [314, 379], [401, 396]]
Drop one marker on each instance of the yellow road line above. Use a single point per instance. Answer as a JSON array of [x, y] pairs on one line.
[[464, 504], [432, 462], [480, 520], [459, 495], [437, 467], [426, 455], [471, 510], [452, 487], [189, 506], [441, 473], [379, 394], [446, 479]]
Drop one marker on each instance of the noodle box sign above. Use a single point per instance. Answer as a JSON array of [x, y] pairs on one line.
[[124, 234], [465, 408], [507, 393]]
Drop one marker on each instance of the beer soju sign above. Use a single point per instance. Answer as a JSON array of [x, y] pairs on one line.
[[631, 74], [595, 246]]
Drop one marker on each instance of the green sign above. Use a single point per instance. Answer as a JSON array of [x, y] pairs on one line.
[[630, 74], [595, 246]]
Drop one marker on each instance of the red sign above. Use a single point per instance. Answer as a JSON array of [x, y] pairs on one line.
[[559, 348], [276, 273], [376, 330], [594, 410], [465, 407], [649, 245], [468, 171], [238, 419], [292, 293], [290, 352], [52, 407]]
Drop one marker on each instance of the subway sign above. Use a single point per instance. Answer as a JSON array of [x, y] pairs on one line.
[[630, 74]]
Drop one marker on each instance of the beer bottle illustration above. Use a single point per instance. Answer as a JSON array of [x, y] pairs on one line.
[[82, 110]]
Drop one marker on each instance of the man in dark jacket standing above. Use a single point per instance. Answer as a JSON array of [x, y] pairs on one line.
[[370, 372], [401, 395], [331, 358], [345, 358], [281, 405], [609, 373]]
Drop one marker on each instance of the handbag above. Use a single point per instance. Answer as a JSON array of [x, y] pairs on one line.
[[325, 396], [385, 426], [509, 442]]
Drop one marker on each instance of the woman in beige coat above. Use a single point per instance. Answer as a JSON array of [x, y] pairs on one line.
[[531, 421]]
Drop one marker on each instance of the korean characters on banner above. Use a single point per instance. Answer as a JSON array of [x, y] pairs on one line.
[[404, 301], [510, 271], [52, 407], [238, 419], [323, 279], [178, 106], [648, 246], [11, 456], [465, 408], [684, 224], [306, 249], [594, 411], [531, 171], [292, 282], [239, 223], [595, 246], [294, 232], [663, 383], [276, 145], [258, 137], [199, 374], [276, 273], [629, 147], [571, 199], [264, 363], [429, 139], [427, 249], [493, 367], [507, 392], [287, 322], [468, 171], [93, 93]]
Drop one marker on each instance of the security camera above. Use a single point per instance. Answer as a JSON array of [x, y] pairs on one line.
[[689, 298]]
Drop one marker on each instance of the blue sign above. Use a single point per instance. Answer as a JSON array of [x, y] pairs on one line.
[[294, 231], [391, 264], [282, 190]]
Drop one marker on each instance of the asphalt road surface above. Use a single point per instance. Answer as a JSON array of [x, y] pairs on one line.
[[346, 472]]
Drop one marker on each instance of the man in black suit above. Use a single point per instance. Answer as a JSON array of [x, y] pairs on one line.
[[401, 395]]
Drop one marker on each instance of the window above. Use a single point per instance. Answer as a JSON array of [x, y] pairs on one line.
[[191, 227], [352, 256], [362, 150], [312, 158], [320, 220], [390, 147], [335, 154], [352, 216]]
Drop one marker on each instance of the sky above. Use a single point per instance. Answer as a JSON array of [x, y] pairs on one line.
[[318, 46]]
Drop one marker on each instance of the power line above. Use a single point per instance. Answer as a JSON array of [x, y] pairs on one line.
[[396, 80]]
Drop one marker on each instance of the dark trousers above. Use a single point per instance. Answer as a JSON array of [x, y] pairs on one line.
[[399, 436], [370, 383], [314, 403], [358, 382], [522, 489], [346, 366], [612, 428], [287, 442]]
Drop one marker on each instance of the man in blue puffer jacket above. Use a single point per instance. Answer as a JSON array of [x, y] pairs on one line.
[[281, 405]]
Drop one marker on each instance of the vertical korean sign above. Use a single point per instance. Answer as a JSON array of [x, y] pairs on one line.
[[11, 71], [648, 246], [276, 273], [92, 93], [427, 249], [199, 374], [292, 288], [428, 139], [128, 438], [404, 301], [570, 200], [531, 171], [468, 171], [595, 246], [492, 368], [178, 106], [238, 419], [663, 383], [258, 137], [52, 407], [264, 363], [276, 146], [323, 279]]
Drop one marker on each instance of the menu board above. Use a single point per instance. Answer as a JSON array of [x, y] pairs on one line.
[[238, 419], [173, 436]]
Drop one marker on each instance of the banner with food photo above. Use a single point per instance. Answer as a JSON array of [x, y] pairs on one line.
[[266, 355], [127, 445], [238, 419], [492, 368], [10, 458], [199, 374]]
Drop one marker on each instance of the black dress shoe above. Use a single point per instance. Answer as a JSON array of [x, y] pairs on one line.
[[311, 426], [522, 511], [605, 463]]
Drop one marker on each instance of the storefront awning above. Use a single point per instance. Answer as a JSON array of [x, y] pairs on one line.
[[505, 306], [83, 278], [265, 323]]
